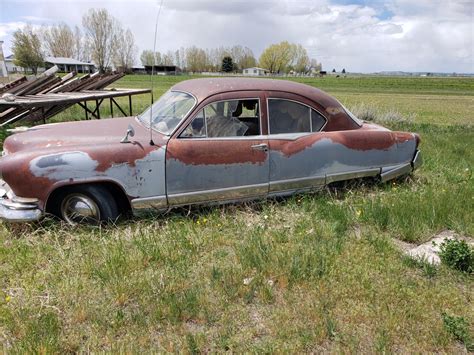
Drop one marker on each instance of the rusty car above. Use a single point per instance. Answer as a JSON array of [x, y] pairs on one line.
[[207, 140]]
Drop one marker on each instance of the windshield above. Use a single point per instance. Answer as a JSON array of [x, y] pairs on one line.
[[168, 111]]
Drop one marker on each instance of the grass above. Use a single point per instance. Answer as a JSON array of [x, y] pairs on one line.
[[316, 272]]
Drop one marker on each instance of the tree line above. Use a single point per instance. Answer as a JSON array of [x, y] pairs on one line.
[[103, 40], [278, 58]]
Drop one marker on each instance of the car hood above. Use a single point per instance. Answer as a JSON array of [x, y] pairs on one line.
[[79, 134]]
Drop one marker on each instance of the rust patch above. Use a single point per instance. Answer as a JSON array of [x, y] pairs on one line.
[[334, 110], [195, 152], [366, 138]]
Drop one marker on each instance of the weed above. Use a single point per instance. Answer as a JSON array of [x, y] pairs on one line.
[[458, 327], [458, 255]]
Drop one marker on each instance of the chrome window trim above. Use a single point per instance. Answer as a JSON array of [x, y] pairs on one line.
[[298, 102], [224, 138]]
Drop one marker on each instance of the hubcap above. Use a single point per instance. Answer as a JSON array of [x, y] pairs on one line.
[[78, 208]]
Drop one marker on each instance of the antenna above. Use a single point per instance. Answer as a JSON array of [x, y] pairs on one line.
[[152, 73]]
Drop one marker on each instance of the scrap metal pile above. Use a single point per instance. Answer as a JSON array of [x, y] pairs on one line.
[[37, 99]]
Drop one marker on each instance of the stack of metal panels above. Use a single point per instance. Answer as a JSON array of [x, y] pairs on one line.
[[46, 83]]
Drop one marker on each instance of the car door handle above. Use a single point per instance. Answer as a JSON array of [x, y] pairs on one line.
[[263, 147]]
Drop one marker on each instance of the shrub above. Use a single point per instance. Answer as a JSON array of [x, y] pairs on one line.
[[457, 254]]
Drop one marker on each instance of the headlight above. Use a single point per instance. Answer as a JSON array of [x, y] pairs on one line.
[[4, 152]]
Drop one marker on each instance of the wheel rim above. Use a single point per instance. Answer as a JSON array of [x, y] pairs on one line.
[[78, 208]]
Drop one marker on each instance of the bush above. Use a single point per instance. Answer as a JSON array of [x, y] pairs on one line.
[[457, 254]]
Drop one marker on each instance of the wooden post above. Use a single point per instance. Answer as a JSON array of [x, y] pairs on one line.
[[130, 104], [111, 108]]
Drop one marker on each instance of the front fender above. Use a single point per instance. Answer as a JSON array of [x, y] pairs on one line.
[[37, 175]]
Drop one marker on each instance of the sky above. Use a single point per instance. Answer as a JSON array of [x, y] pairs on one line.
[[358, 35]]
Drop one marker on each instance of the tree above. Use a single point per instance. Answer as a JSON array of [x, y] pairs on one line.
[[278, 57], [301, 59], [59, 41], [227, 64], [315, 65], [197, 59], [167, 59], [247, 60], [81, 46], [147, 57], [343, 71], [102, 31], [27, 49], [125, 50], [334, 70]]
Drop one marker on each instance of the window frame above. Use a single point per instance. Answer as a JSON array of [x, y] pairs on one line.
[[223, 138], [196, 103], [301, 103]]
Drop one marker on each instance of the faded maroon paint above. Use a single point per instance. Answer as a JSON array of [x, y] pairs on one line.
[[211, 152], [99, 139], [337, 117], [360, 139]]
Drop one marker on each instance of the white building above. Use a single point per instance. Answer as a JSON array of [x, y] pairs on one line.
[[255, 71], [69, 64], [12, 67], [3, 67]]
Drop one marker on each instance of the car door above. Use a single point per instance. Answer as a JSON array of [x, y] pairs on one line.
[[294, 126], [220, 153]]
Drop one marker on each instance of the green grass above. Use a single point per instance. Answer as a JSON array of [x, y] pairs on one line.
[[316, 272]]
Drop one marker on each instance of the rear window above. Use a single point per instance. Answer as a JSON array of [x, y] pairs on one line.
[[352, 116]]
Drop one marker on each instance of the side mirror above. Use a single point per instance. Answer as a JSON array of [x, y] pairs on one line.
[[130, 133]]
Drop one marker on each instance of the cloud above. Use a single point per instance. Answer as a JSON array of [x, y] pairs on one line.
[[365, 36]]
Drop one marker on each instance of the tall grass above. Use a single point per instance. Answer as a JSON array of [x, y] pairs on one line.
[[311, 273]]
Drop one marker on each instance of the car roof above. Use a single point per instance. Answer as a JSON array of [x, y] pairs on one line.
[[205, 87]]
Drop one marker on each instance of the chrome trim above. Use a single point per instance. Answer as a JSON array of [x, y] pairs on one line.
[[298, 183], [228, 193], [396, 172], [10, 204], [298, 102], [154, 202], [18, 215], [262, 147], [417, 160], [352, 175]]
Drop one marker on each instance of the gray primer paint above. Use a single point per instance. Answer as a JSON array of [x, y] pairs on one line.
[[146, 178]]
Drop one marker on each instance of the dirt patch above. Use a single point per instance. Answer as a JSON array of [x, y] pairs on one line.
[[429, 251]]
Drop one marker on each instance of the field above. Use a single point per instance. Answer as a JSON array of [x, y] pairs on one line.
[[313, 273]]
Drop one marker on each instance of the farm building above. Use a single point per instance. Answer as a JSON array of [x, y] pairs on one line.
[[11, 66], [161, 69], [255, 71], [69, 64]]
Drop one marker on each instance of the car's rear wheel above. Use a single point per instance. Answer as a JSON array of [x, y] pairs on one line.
[[87, 204]]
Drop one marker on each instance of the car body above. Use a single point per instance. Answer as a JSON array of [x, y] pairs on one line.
[[213, 140]]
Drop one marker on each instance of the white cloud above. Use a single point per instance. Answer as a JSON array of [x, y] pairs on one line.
[[424, 35]]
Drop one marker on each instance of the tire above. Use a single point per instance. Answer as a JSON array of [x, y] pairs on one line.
[[86, 204]]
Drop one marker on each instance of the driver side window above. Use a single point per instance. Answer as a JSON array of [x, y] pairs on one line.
[[232, 118]]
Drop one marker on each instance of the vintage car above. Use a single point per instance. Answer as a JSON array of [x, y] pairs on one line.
[[212, 140]]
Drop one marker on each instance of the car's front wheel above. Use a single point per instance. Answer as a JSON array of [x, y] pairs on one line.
[[87, 204]]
